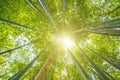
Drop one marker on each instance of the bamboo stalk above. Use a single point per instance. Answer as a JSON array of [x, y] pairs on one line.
[[42, 73], [102, 74], [16, 24], [31, 4], [81, 69], [19, 74], [17, 47], [42, 3]]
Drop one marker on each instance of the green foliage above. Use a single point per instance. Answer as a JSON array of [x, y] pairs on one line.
[[93, 24]]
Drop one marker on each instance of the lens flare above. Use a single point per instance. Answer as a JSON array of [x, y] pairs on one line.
[[67, 42]]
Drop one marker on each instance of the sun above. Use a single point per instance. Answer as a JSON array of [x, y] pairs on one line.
[[64, 40], [67, 42]]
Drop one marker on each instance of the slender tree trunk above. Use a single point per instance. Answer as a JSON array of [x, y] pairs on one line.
[[19, 74], [68, 73], [106, 32], [18, 47], [32, 5], [16, 24], [81, 69], [103, 74], [63, 11], [115, 9], [113, 62], [42, 3], [42, 73]]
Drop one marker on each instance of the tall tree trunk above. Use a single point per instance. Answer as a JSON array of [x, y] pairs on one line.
[[31, 4], [113, 62], [42, 3], [63, 12], [42, 73], [68, 73], [104, 75], [16, 24], [81, 69], [18, 47], [106, 32], [115, 9], [19, 74], [100, 28]]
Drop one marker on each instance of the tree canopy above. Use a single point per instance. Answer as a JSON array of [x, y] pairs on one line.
[[59, 40]]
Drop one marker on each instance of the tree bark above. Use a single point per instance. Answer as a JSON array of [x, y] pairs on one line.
[[42, 73]]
